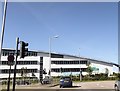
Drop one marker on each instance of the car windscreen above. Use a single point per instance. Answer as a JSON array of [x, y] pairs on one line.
[[67, 78]]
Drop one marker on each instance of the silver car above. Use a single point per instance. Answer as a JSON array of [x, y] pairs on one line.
[[47, 80], [117, 85]]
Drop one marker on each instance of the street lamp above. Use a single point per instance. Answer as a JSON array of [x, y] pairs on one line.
[[80, 68], [50, 38], [3, 27]]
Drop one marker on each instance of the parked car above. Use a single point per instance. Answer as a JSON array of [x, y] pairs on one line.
[[1, 82], [47, 80], [21, 82], [117, 85], [65, 82]]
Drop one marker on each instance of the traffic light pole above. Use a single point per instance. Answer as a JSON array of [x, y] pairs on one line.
[[8, 86], [14, 79]]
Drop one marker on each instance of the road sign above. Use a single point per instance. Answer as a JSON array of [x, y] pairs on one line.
[[10, 59]]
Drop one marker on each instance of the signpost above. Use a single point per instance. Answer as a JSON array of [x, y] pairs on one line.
[[10, 59]]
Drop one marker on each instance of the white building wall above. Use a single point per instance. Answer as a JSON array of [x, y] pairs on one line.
[[102, 68], [46, 65], [46, 62], [97, 65], [30, 58]]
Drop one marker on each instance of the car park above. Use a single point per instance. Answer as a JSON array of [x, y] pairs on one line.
[[117, 85], [65, 82]]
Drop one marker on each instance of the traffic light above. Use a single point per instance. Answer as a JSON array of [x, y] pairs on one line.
[[23, 49]]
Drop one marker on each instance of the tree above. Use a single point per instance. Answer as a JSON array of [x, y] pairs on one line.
[[89, 70], [33, 74], [106, 71], [88, 63], [44, 72], [23, 72]]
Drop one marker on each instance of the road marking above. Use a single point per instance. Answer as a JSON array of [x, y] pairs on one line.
[[98, 84], [102, 86]]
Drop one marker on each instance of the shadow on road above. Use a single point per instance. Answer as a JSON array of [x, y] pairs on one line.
[[54, 85], [62, 90], [73, 87]]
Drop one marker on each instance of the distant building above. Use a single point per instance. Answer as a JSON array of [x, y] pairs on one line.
[[37, 61]]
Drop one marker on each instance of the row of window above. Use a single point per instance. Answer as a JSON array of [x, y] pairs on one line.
[[53, 62], [21, 62], [6, 53], [68, 69], [19, 70], [53, 70], [69, 62]]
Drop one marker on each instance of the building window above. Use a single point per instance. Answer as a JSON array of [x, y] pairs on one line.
[[21, 62], [6, 71], [68, 69], [69, 62], [7, 52]]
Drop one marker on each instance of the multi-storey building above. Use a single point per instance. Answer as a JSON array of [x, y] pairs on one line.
[[37, 61]]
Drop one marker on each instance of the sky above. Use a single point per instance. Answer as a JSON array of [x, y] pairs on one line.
[[88, 29]]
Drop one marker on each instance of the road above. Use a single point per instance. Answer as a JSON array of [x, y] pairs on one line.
[[93, 85], [77, 86]]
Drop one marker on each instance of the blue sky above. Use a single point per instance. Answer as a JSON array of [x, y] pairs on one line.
[[92, 27]]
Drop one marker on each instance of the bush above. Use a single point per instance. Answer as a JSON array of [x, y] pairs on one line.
[[96, 77]]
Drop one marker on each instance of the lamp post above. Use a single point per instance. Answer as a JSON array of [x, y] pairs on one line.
[[80, 67], [50, 38], [3, 27]]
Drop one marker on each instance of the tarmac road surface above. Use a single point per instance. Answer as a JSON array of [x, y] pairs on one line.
[[77, 86]]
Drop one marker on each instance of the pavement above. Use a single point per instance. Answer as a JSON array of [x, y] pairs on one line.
[[95, 85], [77, 86]]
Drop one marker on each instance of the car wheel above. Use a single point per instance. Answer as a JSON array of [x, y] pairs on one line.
[[116, 88], [60, 86]]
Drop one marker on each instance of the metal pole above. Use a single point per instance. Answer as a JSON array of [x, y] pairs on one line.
[[14, 79], [3, 28], [119, 69], [50, 52], [8, 86], [71, 73], [80, 71], [50, 55], [61, 72], [80, 68], [2, 32]]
